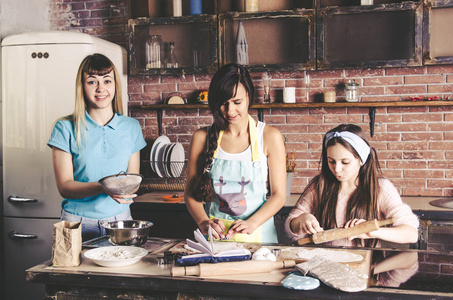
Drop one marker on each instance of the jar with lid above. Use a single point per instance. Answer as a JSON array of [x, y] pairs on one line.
[[153, 52], [172, 60], [351, 91]]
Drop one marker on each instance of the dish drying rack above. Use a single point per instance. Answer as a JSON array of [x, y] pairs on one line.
[[171, 177]]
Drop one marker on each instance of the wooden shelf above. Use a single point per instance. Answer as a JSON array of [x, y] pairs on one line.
[[406, 103], [260, 107]]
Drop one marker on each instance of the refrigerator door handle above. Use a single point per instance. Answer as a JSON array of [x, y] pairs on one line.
[[17, 235], [15, 199]]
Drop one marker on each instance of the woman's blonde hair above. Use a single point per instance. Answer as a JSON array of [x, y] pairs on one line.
[[94, 64]]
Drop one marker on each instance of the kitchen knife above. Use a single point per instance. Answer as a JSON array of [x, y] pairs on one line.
[[340, 233], [231, 268]]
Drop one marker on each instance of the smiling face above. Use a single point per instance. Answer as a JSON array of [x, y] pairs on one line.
[[99, 90], [343, 164], [236, 108]]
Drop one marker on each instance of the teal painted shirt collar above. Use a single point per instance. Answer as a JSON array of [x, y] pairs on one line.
[[91, 124]]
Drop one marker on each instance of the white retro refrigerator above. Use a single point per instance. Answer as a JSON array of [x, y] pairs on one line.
[[38, 86]]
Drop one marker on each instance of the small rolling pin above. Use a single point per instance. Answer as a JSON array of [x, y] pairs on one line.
[[341, 233], [231, 268]]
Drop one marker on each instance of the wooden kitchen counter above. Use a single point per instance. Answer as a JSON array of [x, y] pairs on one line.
[[148, 280], [419, 204]]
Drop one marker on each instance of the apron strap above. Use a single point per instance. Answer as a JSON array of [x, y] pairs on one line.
[[253, 140]]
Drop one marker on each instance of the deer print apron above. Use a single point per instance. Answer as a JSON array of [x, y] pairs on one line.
[[240, 190]]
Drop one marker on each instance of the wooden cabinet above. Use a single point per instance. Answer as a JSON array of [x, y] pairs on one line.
[[383, 35], [299, 35], [191, 35], [438, 32], [282, 40]]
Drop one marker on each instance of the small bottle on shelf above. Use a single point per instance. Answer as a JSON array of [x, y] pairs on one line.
[[172, 60]]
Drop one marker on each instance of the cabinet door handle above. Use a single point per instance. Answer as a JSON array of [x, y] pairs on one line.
[[17, 235], [16, 199]]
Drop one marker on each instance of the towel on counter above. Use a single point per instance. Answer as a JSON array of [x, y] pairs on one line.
[[334, 274]]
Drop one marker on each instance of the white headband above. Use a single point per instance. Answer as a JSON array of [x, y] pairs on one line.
[[354, 140]]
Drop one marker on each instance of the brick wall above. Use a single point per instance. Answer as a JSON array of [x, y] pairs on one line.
[[414, 143]]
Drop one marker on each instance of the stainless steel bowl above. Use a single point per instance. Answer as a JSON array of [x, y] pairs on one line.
[[122, 183], [129, 232]]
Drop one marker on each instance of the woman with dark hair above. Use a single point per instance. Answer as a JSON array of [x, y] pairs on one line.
[[230, 163], [97, 140], [349, 190]]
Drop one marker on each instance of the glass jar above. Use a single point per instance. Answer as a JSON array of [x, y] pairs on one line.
[[351, 91], [153, 52]]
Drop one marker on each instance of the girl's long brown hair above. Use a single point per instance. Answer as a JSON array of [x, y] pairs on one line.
[[362, 203], [223, 87]]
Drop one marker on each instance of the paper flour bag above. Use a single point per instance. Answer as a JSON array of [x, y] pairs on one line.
[[67, 244]]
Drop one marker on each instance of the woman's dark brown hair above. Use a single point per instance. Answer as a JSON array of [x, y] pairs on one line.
[[223, 87], [362, 203]]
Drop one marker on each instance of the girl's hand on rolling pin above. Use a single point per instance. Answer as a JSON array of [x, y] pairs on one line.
[[354, 222], [123, 199], [308, 224], [217, 228]]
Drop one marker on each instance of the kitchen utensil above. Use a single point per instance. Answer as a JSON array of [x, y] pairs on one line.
[[153, 52], [176, 161], [232, 268], [122, 183], [351, 91], [166, 160], [154, 151], [128, 232], [340, 233], [116, 256], [160, 157], [173, 197]]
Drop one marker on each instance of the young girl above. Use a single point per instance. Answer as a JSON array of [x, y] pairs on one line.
[[350, 190], [93, 142], [229, 163]]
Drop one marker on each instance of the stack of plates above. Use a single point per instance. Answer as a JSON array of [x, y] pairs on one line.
[[166, 158]]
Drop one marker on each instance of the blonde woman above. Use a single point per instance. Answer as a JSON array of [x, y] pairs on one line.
[[93, 142]]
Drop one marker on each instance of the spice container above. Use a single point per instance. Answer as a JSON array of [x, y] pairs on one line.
[[329, 96], [351, 91], [172, 60], [153, 51], [177, 8], [251, 5]]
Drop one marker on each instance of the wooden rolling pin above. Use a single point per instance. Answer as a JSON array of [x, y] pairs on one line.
[[231, 268], [341, 233]]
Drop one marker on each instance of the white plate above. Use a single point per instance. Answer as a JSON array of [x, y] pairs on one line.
[[116, 256], [160, 159], [153, 153], [177, 158], [158, 156], [166, 160]]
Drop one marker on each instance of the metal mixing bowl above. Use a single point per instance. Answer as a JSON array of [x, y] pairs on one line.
[[122, 183], [129, 232]]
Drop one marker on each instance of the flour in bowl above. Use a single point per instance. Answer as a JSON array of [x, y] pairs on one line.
[[115, 253]]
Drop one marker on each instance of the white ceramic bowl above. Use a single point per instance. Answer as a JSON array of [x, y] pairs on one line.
[[116, 256]]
